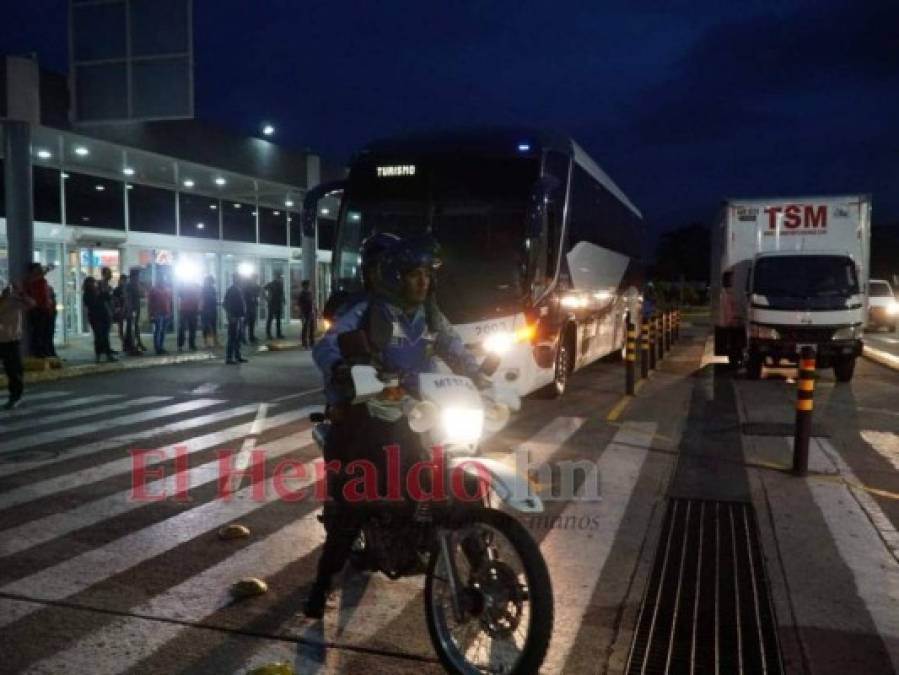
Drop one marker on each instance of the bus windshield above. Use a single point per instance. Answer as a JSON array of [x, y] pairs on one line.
[[475, 207]]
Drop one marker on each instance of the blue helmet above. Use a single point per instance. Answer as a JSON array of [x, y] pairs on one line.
[[371, 251], [409, 254]]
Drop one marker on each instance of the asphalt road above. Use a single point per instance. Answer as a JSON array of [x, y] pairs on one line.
[[94, 581]]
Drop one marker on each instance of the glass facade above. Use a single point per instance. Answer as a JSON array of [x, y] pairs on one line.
[[199, 216], [92, 201], [272, 227], [151, 209], [47, 196], [238, 221]]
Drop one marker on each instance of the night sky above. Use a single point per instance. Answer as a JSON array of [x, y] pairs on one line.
[[683, 103]]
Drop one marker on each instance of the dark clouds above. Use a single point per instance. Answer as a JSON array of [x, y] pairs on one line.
[[683, 102]]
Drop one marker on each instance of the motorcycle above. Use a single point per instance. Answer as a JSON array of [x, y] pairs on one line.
[[487, 592]]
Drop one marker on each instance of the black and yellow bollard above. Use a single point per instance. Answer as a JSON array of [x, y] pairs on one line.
[[651, 335], [660, 345], [666, 331], [644, 349], [630, 357], [676, 325], [804, 406]]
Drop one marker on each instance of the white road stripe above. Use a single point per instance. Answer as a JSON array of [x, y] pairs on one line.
[[109, 409], [77, 574], [873, 566], [133, 437], [29, 440], [42, 396], [574, 577], [46, 529], [68, 481], [19, 413], [191, 601], [884, 442]]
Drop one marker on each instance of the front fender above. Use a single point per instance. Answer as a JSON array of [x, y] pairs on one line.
[[513, 489]]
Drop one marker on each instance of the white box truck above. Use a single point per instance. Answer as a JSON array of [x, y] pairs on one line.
[[787, 272]]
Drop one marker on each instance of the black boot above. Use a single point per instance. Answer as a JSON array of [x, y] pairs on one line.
[[318, 598]]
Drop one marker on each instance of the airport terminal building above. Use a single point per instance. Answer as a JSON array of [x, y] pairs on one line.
[[177, 199]]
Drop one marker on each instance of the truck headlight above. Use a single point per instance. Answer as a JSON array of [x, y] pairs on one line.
[[763, 332], [893, 308], [847, 333], [461, 425]]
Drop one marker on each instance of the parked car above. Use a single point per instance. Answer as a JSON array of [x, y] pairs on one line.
[[883, 310]]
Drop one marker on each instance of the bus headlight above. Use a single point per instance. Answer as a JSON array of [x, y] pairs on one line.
[[499, 343], [461, 425]]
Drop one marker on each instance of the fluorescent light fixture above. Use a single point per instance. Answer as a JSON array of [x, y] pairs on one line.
[[213, 207], [236, 205], [99, 188], [524, 147], [277, 213], [81, 151], [188, 183], [129, 186], [288, 203], [268, 129], [44, 154], [220, 181], [128, 171], [325, 211]]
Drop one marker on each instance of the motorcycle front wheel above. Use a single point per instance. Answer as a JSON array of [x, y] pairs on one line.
[[505, 596]]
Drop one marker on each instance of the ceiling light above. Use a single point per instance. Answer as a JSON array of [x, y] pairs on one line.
[[99, 188], [277, 213], [65, 175], [220, 181], [44, 154], [236, 206], [129, 186], [325, 212], [81, 151], [200, 226], [188, 183], [128, 171], [213, 207], [288, 203], [268, 130]]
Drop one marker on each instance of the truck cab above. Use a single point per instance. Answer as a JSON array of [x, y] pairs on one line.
[[796, 299]]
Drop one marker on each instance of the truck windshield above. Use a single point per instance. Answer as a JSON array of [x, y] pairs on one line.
[[805, 276], [475, 207]]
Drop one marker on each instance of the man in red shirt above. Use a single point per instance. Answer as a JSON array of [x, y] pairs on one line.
[[37, 288]]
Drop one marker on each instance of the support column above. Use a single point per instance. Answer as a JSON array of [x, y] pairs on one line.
[[19, 201]]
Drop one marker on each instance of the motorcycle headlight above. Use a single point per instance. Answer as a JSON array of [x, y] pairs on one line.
[[847, 333], [764, 332], [461, 425]]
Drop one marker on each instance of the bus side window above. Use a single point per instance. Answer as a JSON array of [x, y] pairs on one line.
[[556, 165]]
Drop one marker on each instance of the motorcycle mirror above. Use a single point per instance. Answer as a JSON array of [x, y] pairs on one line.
[[496, 417], [490, 364], [422, 416]]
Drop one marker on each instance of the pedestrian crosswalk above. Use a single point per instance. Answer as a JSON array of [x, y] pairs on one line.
[[75, 542]]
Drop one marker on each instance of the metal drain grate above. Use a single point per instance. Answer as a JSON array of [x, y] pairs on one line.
[[707, 608]]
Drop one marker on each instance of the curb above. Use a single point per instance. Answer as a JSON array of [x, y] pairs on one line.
[[65, 373], [881, 357]]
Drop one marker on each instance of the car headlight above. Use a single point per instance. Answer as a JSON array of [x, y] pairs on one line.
[[462, 425], [847, 333], [763, 332]]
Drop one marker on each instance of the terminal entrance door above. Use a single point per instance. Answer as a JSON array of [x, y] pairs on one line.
[[82, 263]]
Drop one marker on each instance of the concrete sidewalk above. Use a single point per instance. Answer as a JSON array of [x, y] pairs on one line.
[[76, 357]]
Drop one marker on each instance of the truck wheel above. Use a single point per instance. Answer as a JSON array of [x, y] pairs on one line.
[[844, 368], [754, 367]]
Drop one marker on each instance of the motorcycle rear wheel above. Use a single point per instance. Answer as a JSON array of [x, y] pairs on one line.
[[507, 601]]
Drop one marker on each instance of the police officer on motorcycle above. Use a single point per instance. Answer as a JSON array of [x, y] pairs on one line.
[[404, 331]]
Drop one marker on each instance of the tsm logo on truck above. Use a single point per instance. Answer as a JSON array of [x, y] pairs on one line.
[[796, 216]]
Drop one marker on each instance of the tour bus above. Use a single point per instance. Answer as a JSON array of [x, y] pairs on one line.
[[541, 250]]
